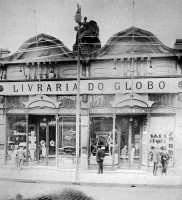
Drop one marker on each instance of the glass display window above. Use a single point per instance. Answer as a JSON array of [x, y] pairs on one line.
[[32, 138], [67, 136], [16, 132], [101, 134], [162, 135]]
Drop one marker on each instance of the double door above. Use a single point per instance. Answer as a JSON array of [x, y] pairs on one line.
[[47, 140], [42, 139], [129, 142]]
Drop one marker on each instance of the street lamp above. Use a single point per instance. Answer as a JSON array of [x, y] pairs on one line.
[[78, 18]]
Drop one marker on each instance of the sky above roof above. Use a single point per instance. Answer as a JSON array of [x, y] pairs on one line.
[[23, 19]]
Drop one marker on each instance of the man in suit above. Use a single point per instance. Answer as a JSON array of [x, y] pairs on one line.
[[155, 159], [100, 158], [164, 161]]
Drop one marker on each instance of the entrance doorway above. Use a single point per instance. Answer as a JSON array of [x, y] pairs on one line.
[[129, 141], [42, 139]]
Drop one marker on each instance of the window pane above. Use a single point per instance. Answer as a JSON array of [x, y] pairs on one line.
[[16, 132]]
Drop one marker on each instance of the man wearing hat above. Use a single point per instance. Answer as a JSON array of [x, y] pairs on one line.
[[155, 159], [100, 158]]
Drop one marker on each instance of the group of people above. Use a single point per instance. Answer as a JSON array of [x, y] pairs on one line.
[[17, 157], [158, 157], [124, 154]]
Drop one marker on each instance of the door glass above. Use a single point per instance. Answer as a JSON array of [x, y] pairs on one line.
[[52, 139], [130, 143], [42, 139], [32, 140], [124, 143], [135, 145]]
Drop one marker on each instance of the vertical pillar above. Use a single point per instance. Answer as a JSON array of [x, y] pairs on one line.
[[121, 67], [27, 139], [129, 140], [5, 137], [113, 149], [145, 137], [148, 135], [57, 140], [37, 143], [135, 67], [119, 141], [149, 70], [128, 67], [84, 142], [47, 141], [142, 67], [78, 111]]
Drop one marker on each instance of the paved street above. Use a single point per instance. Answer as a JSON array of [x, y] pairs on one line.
[[120, 185], [9, 190]]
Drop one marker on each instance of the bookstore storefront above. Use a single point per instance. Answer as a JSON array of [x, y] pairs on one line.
[[42, 138], [48, 133], [129, 128], [135, 137]]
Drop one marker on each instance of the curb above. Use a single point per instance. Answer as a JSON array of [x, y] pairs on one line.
[[93, 184]]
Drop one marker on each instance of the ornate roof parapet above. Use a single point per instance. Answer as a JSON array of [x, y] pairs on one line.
[[141, 43], [41, 48]]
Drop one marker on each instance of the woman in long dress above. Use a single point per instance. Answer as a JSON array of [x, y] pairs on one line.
[[42, 143], [14, 159]]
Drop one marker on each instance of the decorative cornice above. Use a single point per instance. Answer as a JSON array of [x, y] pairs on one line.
[[131, 100], [41, 101]]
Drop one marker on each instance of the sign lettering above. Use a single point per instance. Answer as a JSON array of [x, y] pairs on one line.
[[105, 86]]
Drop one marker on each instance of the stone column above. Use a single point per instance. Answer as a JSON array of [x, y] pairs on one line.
[[84, 142], [27, 140], [84, 131], [113, 149], [57, 139], [149, 67], [3, 131], [145, 142]]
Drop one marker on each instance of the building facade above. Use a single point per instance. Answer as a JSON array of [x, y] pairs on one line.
[[130, 101]]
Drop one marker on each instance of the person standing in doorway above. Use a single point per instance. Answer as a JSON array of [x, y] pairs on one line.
[[100, 158], [155, 159]]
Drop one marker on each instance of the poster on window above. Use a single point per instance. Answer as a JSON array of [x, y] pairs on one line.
[[162, 135]]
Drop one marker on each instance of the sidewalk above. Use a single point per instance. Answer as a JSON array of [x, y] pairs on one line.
[[124, 178]]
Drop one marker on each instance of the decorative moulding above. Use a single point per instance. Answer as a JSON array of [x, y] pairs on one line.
[[16, 111], [42, 101], [129, 100]]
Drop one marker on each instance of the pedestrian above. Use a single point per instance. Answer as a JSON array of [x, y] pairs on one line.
[[100, 158], [21, 156], [155, 159], [164, 161], [132, 153], [124, 154], [14, 158]]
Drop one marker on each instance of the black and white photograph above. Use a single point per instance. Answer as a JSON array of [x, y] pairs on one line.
[[90, 99]]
